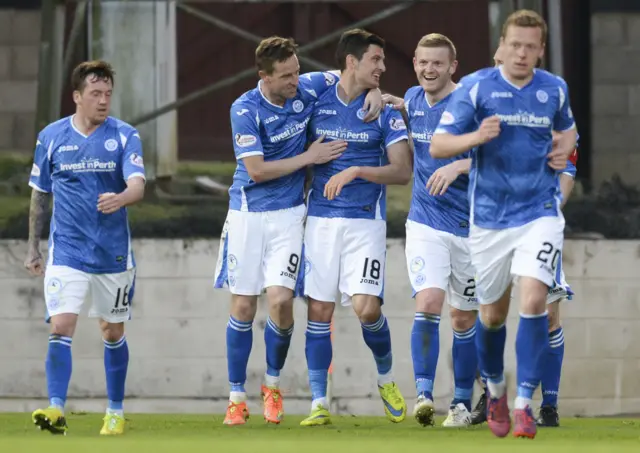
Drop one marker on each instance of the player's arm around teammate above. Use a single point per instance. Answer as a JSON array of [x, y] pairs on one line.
[[90, 162]]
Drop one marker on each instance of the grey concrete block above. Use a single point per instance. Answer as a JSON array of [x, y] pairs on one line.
[[24, 135], [5, 62], [613, 133], [18, 97], [615, 65], [25, 27], [633, 29], [610, 100], [607, 29], [24, 62], [634, 100], [6, 130], [6, 17]]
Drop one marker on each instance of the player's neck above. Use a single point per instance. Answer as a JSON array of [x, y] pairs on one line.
[[517, 82], [434, 98], [274, 99], [83, 124], [348, 88]]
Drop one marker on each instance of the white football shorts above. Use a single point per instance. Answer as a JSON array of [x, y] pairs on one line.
[[560, 289], [66, 290], [259, 250], [345, 256], [531, 250], [437, 259]]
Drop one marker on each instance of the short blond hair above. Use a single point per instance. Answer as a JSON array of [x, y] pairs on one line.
[[526, 18], [438, 40]]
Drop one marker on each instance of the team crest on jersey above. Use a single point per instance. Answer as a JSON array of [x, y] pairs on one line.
[[417, 264], [397, 124], [361, 113], [136, 159], [298, 106], [329, 79], [542, 96], [447, 119], [111, 145], [244, 141]]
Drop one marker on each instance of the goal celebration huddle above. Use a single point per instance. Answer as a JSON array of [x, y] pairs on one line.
[[492, 160]]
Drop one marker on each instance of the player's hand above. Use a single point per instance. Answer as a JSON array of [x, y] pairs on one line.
[[442, 178], [108, 203], [372, 105], [334, 186], [488, 130], [395, 102], [557, 159], [321, 153], [34, 263]]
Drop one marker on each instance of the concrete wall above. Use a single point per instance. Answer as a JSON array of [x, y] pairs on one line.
[[177, 338], [19, 39], [615, 121]]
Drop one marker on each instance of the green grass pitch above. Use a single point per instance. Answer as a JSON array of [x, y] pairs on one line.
[[200, 433]]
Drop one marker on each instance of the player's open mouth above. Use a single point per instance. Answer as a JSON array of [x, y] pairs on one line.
[[430, 79]]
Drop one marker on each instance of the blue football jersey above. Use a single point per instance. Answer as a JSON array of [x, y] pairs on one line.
[[261, 128], [511, 183], [448, 212], [76, 169], [367, 143]]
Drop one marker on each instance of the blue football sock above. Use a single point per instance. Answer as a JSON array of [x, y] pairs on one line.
[[465, 364], [239, 343], [552, 367], [116, 362], [425, 349], [58, 368], [490, 347], [319, 353], [532, 343], [277, 343], [377, 336]]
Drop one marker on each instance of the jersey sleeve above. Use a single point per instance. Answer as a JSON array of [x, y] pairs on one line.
[[571, 169], [40, 178], [315, 84], [394, 128], [246, 132], [459, 117], [132, 161], [563, 119]]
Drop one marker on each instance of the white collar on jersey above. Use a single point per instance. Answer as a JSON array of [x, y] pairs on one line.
[[265, 98], [504, 77]]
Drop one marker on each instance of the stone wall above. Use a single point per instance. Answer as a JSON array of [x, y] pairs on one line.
[[177, 337]]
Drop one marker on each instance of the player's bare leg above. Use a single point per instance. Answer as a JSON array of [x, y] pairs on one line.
[[239, 343], [319, 353], [531, 344], [375, 331], [58, 369], [490, 341], [551, 369], [116, 362], [277, 337], [425, 349], [465, 364]]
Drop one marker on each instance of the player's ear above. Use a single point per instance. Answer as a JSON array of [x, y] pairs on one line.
[[76, 96], [453, 67]]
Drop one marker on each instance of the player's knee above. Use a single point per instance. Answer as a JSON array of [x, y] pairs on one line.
[[368, 308], [64, 324], [112, 332], [533, 296], [281, 306], [243, 308], [554, 316], [493, 316], [461, 321], [320, 311], [430, 301]]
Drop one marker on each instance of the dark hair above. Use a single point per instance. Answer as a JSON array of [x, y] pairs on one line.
[[98, 68], [272, 50], [355, 42]]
